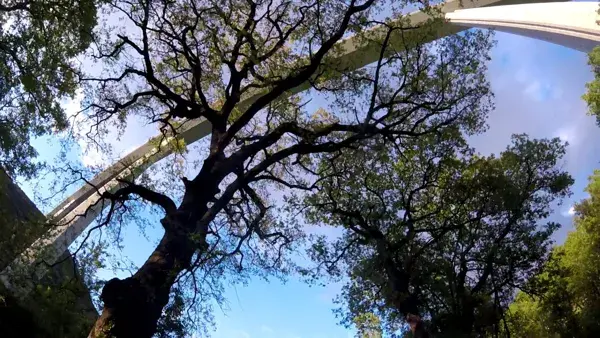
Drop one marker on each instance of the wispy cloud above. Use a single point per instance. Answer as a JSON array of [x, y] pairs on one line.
[[539, 86], [568, 134], [539, 91], [90, 155], [569, 212], [137, 132]]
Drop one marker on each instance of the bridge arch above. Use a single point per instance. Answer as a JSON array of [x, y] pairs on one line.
[[570, 24]]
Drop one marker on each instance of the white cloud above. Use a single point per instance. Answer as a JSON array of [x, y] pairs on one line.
[[522, 75], [569, 213], [137, 133], [538, 91], [73, 106], [540, 86], [91, 157], [568, 134], [533, 88]]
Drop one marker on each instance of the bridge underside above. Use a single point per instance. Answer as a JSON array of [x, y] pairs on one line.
[[570, 24]]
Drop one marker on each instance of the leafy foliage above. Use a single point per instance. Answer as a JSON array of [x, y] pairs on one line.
[[564, 299], [39, 40], [435, 229], [592, 95], [368, 326]]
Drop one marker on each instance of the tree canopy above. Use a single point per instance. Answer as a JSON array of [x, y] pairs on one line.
[[39, 41], [436, 230]]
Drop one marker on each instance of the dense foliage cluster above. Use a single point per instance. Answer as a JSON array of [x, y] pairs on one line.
[[437, 231], [563, 300], [39, 41]]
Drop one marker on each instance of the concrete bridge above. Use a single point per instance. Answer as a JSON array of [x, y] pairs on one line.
[[571, 24]]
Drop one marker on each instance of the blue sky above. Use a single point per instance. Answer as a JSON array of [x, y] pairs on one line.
[[538, 88]]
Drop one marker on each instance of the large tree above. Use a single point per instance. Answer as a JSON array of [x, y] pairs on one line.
[[435, 230], [39, 40], [184, 60]]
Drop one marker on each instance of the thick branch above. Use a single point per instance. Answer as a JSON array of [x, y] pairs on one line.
[[147, 194], [297, 79]]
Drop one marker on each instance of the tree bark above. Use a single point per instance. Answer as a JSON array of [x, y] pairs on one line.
[[133, 306]]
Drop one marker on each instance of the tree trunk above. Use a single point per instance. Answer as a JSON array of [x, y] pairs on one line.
[[133, 306], [405, 302], [463, 323], [420, 330]]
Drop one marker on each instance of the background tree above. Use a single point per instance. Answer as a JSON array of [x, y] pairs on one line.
[[436, 230], [564, 297], [39, 41], [186, 60]]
